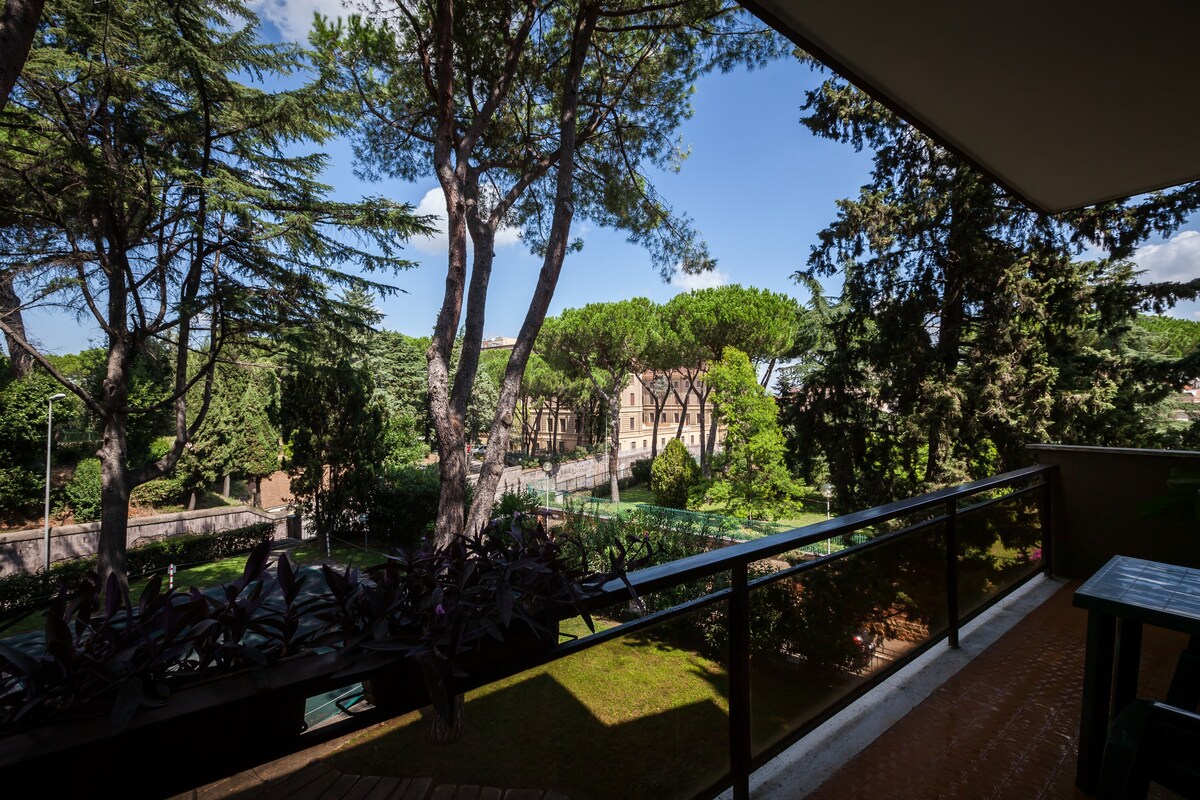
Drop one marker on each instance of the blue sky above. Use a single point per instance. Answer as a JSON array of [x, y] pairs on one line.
[[758, 186]]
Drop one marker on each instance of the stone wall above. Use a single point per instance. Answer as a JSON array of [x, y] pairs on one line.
[[569, 476], [22, 551]]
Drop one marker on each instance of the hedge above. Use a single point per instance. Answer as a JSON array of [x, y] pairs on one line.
[[22, 591]]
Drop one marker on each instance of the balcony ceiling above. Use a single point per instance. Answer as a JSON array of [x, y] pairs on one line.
[[1064, 104]]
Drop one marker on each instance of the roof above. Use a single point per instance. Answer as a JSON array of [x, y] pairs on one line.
[[1063, 104]]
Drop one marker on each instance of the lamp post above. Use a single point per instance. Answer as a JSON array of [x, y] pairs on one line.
[[49, 431], [827, 493], [546, 467]]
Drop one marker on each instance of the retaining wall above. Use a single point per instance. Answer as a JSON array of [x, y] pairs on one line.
[[23, 551], [569, 476]]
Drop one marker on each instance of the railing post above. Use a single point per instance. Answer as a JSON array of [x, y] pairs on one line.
[[739, 684], [952, 571], [1046, 512]]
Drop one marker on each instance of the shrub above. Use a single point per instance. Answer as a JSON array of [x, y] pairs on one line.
[[27, 590], [83, 490], [20, 488], [510, 503], [159, 492], [405, 505], [673, 474], [640, 469]]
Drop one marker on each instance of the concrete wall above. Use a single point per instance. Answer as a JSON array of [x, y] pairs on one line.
[[570, 476], [1104, 504], [22, 551]]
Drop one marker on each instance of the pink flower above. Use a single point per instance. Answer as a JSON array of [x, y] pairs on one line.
[[439, 610]]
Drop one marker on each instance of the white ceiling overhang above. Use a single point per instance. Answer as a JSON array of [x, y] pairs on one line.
[[1064, 104]]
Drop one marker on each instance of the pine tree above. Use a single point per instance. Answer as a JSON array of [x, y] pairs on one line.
[[966, 328], [156, 187]]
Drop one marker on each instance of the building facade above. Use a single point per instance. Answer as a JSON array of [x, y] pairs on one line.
[[559, 428]]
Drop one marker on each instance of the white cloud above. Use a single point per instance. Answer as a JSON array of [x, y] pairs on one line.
[[293, 18], [1177, 259], [700, 280], [434, 204]]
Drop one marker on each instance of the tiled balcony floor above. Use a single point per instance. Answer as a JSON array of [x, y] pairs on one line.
[[1006, 725]]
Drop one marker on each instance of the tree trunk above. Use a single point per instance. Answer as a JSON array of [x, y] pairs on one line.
[[683, 412], [712, 438], [17, 27], [554, 426], [705, 461], [766, 381], [556, 250], [20, 360], [451, 174], [114, 501], [537, 426], [614, 444], [442, 730], [225, 487]]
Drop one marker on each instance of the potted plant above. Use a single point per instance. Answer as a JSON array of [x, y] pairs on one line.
[[230, 670], [460, 609]]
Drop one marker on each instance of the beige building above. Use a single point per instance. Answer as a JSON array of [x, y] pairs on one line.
[[679, 417]]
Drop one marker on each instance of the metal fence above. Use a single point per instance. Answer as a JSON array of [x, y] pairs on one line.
[[933, 531]]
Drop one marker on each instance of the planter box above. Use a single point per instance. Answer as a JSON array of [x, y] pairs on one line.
[[204, 732], [400, 687]]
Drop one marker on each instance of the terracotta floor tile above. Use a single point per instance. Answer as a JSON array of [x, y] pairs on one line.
[[1006, 726]]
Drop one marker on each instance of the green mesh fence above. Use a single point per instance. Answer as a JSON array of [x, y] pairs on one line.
[[711, 523]]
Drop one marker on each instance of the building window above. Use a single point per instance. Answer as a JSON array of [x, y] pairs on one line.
[[664, 442], [632, 398], [693, 438], [643, 444], [631, 423], [677, 416]]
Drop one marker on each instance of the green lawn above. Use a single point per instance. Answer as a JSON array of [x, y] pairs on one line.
[[640, 495], [638, 717]]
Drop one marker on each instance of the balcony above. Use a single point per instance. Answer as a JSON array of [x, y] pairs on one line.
[[969, 684], [916, 648]]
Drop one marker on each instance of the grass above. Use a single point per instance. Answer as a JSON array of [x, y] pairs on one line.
[[640, 495], [638, 717]]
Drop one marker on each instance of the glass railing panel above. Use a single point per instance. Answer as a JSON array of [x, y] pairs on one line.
[[999, 545], [642, 716], [818, 638]]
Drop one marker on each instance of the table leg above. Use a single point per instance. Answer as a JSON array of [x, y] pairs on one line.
[[1097, 690], [1129, 654]]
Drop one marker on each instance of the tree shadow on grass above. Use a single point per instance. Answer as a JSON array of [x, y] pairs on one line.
[[537, 733]]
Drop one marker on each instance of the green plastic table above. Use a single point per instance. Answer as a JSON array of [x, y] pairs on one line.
[[1122, 596]]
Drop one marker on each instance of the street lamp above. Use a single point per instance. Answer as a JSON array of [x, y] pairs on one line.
[[49, 430], [546, 467], [827, 493]]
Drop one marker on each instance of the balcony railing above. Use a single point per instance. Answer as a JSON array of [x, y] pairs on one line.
[[928, 564], [797, 635]]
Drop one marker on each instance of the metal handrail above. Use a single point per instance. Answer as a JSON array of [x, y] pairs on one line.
[[664, 576], [736, 560]]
